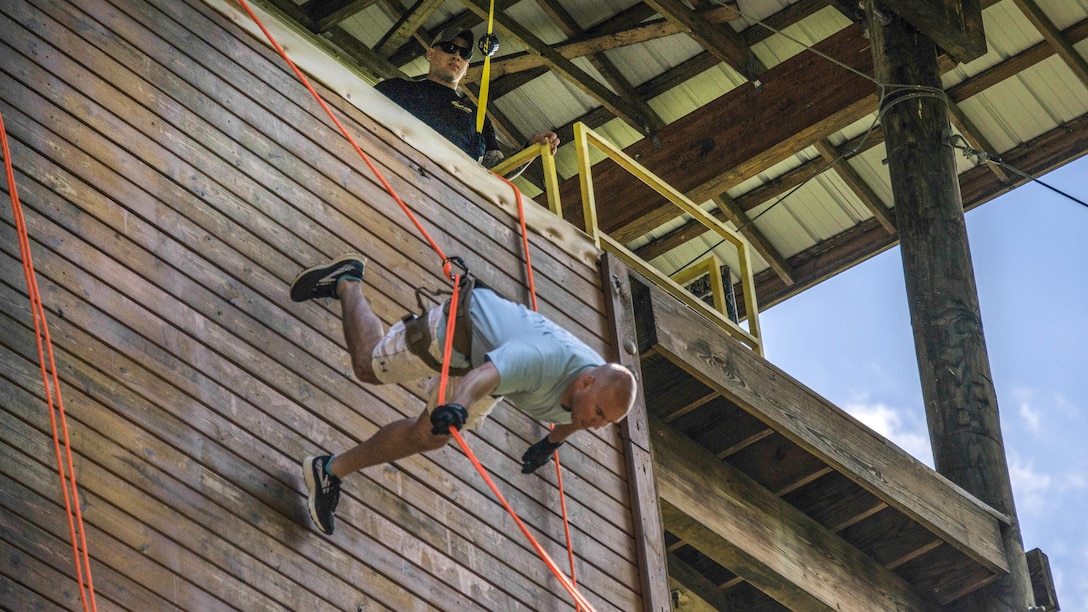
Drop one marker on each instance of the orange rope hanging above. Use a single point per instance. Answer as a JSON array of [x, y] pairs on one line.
[[446, 268], [532, 297], [52, 387], [580, 600]]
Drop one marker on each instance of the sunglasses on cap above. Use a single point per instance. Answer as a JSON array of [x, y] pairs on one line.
[[450, 48]]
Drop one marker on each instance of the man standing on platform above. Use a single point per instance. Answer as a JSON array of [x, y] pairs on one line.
[[436, 101]]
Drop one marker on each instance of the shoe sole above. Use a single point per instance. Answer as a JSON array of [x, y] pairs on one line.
[[325, 268], [311, 487]]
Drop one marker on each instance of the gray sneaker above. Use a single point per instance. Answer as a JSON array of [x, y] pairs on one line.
[[324, 491], [320, 281]]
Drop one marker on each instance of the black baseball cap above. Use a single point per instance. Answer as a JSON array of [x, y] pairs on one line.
[[452, 34]]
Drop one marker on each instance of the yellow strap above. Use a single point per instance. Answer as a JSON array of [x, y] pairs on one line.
[[485, 79]]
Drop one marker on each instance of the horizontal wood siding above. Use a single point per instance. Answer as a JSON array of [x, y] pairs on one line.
[[175, 178]]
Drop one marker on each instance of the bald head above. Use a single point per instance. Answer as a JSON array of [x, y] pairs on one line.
[[617, 388]]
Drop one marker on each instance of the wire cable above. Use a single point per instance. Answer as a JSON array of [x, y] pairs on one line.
[[981, 157]]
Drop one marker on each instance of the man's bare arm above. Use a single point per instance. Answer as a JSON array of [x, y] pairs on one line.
[[480, 382], [562, 432]]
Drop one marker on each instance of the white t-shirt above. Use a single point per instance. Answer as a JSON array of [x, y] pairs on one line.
[[537, 360]]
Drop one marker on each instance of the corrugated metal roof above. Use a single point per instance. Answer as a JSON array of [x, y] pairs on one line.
[[1006, 115]]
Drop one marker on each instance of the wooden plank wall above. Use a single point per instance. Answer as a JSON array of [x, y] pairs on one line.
[[176, 177]]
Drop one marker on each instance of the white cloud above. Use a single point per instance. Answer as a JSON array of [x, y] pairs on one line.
[[1025, 406], [1030, 416], [1030, 488], [896, 425]]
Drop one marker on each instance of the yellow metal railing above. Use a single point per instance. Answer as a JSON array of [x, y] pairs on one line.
[[551, 180], [710, 266], [584, 139]]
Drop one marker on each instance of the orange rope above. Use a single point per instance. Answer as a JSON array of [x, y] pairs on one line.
[[447, 352], [41, 330], [532, 297], [579, 599], [328, 111]]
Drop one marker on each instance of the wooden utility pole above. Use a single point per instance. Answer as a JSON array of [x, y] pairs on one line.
[[961, 404]]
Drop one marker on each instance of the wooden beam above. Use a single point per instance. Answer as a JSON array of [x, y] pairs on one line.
[[721, 41], [703, 157], [565, 68], [732, 211], [955, 25], [836, 502], [856, 184], [325, 14], [407, 25], [697, 584], [1042, 581], [645, 512], [728, 517], [758, 196], [1015, 64], [1036, 157], [689, 68], [351, 49], [836, 254], [827, 432], [587, 44], [466, 20], [849, 9], [600, 61], [1054, 38]]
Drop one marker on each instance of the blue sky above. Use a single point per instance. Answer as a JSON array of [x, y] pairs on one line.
[[850, 340]]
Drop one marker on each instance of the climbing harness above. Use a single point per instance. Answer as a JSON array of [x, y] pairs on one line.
[[455, 304], [417, 331], [51, 382]]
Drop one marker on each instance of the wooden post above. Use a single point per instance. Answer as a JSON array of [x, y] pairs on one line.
[[961, 404], [635, 433]]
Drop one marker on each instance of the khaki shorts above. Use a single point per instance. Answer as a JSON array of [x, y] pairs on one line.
[[393, 363]]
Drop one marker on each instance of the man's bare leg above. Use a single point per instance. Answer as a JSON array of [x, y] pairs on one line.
[[396, 440], [399, 439], [362, 328]]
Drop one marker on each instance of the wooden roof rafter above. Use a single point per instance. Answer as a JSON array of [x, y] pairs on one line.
[[586, 44], [861, 189], [956, 94], [761, 195], [355, 51], [1054, 37], [325, 14], [407, 25], [600, 61], [974, 137], [968, 87], [867, 239], [730, 210], [721, 41], [618, 106]]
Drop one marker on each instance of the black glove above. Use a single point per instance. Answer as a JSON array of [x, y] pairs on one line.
[[446, 416], [537, 455]]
